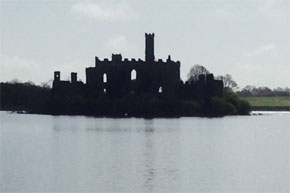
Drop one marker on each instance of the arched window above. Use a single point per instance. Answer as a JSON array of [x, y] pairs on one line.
[[105, 78], [160, 89], [133, 74]]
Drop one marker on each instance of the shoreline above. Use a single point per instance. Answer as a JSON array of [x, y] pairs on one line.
[[270, 108], [255, 113], [252, 113]]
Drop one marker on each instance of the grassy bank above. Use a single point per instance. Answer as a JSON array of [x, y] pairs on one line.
[[269, 103]]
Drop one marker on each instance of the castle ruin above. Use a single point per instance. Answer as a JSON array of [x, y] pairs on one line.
[[122, 76]]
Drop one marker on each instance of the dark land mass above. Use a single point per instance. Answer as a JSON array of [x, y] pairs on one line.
[[41, 100]]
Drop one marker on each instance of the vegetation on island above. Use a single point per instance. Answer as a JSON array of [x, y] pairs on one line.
[[39, 100], [16, 96]]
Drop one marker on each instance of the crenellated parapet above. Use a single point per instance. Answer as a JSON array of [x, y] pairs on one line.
[[116, 57], [149, 34], [160, 61]]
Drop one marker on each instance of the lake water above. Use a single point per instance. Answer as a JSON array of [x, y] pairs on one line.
[[41, 153]]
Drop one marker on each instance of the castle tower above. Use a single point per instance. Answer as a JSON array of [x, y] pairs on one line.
[[57, 76], [149, 47], [73, 77]]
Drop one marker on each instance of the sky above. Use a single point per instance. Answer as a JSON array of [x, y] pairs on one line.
[[248, 39]]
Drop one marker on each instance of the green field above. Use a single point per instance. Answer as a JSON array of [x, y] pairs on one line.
[[268, 101]]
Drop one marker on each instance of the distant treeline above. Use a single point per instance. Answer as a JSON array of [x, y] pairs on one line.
[[252, 91], [40, 100], [16, 96]]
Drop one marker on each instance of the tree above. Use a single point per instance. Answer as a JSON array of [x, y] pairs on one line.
[[249, 88], [263, 91], [47, 84], [228, 81], [195, 71], [14, 81]]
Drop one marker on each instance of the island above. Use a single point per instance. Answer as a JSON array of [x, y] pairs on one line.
[[122, 87]]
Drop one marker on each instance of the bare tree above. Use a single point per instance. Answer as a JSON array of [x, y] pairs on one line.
[[195, 71], [228, 82], [249, 88], [30, 83], [47, 84], [14, 81]]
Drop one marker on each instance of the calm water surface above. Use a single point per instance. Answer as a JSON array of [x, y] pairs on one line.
[[41, 153]]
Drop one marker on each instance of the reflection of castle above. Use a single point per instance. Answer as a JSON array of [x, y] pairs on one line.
[[118, 76]]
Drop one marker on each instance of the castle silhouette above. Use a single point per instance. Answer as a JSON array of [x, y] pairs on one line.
[[119, 77]]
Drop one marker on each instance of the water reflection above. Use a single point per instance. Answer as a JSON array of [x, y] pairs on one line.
[[150, 171], [80, 154]]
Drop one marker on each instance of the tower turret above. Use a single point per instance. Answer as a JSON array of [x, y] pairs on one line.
[[57, 76], [73, 77], [116, 57], [149, 47]]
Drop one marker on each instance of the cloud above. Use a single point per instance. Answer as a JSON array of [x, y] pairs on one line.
[[120, 44], [261, 50], [222, 13], [14, 67], [105, 11], [274, 8], [266, 65]]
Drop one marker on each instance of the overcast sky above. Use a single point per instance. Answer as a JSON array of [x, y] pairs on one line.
[[249, 39]]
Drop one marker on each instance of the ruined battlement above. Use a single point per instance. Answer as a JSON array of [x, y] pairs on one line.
[[149, 34], [117, 59]]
